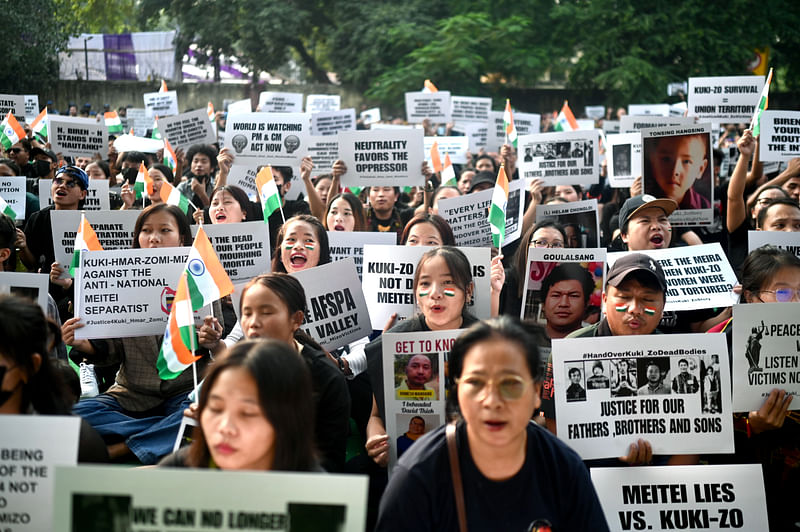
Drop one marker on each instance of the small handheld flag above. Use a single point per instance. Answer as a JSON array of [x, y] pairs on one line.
[[429, 86], [172, 196], [143, 182], [497, 212], [763, 102], [565, 121], [268, 192], [85, 240], [448, 173], [163, 86], [6, 209], [169, 156], [12, 132], [436, 159], [39, 126], [113, 123], [508, 125]]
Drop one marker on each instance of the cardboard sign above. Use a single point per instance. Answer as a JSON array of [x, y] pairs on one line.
[[125, 143], [455, 147], [564, 301], [160, 104], [624, 158], [97, 198], [324, 151], [31, 448], [114, 230], [780, 136], [243, 175], [280, 102], [697, 276], [434, 106], [323, 103], [164, 498], [565, 158], [325, 123], [350, 244], [470, 109], [629, 124], [596, 112], [77, 137], [240, 107], [649, 109], [337, 312], [137, 119], [670, 389], [370, 116], [611, 126], [130, 288], [703, 497], [12, 190], [273, 138], [468, 215], [382, 158], [725, 99], [579, 219], [788, 240], [242, 248], [184, 130], [31, 107], [33, 286], [388, 281], [414, 406], [526, 124], [765, 354], [14, 104], [476, 133], [678, 163]]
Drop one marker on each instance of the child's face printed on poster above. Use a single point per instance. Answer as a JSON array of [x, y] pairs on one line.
[[676, 163]]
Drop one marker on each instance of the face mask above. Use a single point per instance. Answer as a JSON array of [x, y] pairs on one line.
[[130, 174], [42, 168], [5, 395]]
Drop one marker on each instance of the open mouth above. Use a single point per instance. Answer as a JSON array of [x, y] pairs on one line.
[[437, 308], [221, 217], [61, 192], [657, 240], [338, 227], [494, 426], [298, 259]]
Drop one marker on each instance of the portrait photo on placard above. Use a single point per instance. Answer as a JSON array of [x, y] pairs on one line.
[[679, 167], [416, 377], [411, 427], [622, 159], [623, 377], [576, 391], [710, 384], [654, 376], [598, 378], [685, 373], [100, 513]]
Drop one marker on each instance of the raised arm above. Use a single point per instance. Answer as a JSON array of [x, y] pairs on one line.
[[737, 210]]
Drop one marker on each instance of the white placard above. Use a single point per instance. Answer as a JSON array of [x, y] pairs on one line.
[[31, 285], [455, 147], [639, 390], [77, 137], [788, 240], [161, 498], [388, 281], [370, 116], [31, 107], [624, 158], [97, 198], [702, 497], [697, 276], [322, 103], [114, 230], [337, 312], [765, 354], [678, 163], [629, 124], [12, 190], [327, 123], [425, 349], [31, 448], [240, 107], [724, 99], [435, 106], [350, 244], [14, 104], [595, 111], [323, 152], [678, 109], [125, 143], [525, 123], [466, 109], [382, 158], [184, 130], [611, 126], [243, 248], [649, 109], [160, 104], [137, 119], [581, 216], [780, 136], [476, 133], [128, 288], [280, 102], [273, 138], [243, 175], [468, 215], [564, 158]]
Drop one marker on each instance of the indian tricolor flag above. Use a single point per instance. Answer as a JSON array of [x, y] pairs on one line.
[[203, 281], [508, 125], [85, 240], [436, 159], [429, 86], [448, 173], [12, 132], [763, 102], [143, 182], [113, 123], [565, 121], [6, 209], [210, 111], [170, 159], [172, 196], [268, 192], [155, 134], [39, 126], [497, 212], [163, 86]]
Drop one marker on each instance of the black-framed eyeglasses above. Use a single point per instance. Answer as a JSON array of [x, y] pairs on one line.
[[69, 183], [542, 243]]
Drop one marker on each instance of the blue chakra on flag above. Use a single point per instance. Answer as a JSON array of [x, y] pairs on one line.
[[196, 267]]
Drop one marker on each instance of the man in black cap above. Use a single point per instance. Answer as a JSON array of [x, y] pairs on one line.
[[644, 222]]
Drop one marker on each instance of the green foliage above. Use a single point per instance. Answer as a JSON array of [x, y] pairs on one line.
[[98, 16]]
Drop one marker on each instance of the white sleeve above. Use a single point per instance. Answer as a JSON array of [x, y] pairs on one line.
[[357, 358], [235, 335]]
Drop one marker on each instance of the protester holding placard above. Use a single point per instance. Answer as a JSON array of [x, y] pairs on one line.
[[289, 208], [200, 181], [441, 192], [255, 413], [159, 173], [301, 243], [513, 475], [140, 408], [427, 230], [345, 213], [383, 214], [102, 171]]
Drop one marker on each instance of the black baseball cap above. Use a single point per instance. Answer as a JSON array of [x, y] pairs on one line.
[[481, 178], [644, 201], [37, 150], [636, 262]]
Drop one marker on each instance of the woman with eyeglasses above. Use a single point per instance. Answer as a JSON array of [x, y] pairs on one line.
[[514, 475]]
